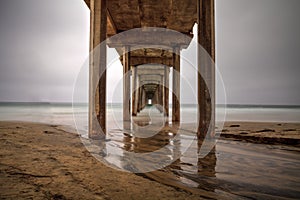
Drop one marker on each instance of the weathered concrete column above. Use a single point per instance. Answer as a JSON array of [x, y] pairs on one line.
[[134, 90], [161, 94], [166, 90], [126, 85], [137, 91], [97, 70], [176, 86], [154, 98], [158, 94], [143, 99], [139, 95], [206, 91]]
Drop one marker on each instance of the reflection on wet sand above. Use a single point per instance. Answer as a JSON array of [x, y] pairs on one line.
[[232, 169]]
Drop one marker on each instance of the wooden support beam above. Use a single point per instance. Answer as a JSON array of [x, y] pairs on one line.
[[140, 60], [166, 91], [206, 91], [111, 23], [150, 81], [150, 77], [126, 84], [176, 86], [97, 70], [151, 71]]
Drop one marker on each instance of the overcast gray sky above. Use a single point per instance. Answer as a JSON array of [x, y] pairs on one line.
[[43, 45]]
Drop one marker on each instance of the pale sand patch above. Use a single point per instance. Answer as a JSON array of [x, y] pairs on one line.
[[42, 161]]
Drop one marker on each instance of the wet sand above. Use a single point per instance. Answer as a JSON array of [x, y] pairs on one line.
[[45, 162], [241, 167], [263, 132], [41, 161]]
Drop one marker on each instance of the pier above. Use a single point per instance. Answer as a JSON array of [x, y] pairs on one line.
[[146, 67]]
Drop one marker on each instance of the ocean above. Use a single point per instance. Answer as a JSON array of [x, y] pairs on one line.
[[62, 113]]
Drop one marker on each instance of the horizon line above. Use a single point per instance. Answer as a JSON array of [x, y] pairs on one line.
[[228, 105]]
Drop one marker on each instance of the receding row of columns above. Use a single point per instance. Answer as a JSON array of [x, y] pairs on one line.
[[139, 95], [97, 72]]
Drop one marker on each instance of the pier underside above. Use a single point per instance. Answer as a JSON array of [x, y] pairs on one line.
[[146, 64]]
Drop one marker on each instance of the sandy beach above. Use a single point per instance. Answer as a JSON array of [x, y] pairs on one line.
[[263, 132], [40, 161]]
